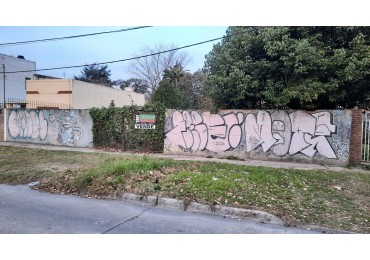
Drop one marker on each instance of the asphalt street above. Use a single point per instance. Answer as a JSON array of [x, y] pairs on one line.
[[27, 211]]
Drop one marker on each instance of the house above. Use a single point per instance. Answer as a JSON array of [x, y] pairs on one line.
[[75, 94], [15, 83]]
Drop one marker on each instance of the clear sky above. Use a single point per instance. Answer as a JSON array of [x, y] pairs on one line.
[[105, 47]]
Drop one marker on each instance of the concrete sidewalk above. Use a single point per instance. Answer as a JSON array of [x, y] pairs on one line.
[[273, 164]]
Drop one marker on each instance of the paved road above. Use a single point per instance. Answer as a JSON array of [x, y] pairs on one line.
[[26, 211]]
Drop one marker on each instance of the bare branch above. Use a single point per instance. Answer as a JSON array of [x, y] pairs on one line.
[[151, 68]]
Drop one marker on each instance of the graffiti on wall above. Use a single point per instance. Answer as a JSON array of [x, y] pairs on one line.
[[69, 134], [56, 127], [27, 124], [278, 132]]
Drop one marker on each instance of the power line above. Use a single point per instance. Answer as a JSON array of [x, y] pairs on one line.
[[70, 37], [133, 58]]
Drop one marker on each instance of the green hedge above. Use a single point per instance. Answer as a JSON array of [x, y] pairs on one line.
[[114, 128]]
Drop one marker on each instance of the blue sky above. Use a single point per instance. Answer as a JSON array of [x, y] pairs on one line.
[[180, 23], [105, 47]]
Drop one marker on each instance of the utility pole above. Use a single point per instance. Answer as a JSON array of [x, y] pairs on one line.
[[4, 84]]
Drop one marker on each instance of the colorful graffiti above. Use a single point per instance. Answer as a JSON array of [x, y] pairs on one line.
[[69, 134], [27, 124], [277, 132]]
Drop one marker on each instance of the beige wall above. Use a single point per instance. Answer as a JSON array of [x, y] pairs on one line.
[[49, 91], [87, 95], [79, 94]]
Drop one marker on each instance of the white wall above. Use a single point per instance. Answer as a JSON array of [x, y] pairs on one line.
[[15, 82], [87, 95]]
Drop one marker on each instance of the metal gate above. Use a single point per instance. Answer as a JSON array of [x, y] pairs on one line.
[[366, 136]]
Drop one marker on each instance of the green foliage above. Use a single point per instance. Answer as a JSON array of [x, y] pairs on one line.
[[192, 86], [290, 67], [107, 127], [114, 128], [170, 97], [96, 73], [174, 73], [144, 139], [182, 91], [138, 85]]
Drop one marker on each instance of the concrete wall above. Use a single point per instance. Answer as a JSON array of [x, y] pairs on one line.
[[50, 90], [55, 127], [79, 94], [87, 95], [15, 82], [319, 136]]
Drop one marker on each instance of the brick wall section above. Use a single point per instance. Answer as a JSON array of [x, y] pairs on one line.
[[2, 115], [356, 137]]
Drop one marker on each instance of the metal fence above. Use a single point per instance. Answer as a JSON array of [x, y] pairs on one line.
[[31, 104], [366, 137]]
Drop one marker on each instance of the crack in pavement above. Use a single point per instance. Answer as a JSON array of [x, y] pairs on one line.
[[145, 210]]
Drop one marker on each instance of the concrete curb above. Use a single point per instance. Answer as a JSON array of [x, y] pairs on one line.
[[254, 215], [225, 211]]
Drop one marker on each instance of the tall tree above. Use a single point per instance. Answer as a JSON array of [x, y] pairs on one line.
[[290, 67], [182, 92], [96, 73], [169, 96], [192, 87], [174, 73], [138, 85], [157, 59]]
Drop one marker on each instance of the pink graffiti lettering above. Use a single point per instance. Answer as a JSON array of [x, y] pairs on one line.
[[278, 132], [197, 132]]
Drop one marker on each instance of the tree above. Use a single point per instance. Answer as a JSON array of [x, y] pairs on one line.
[[151, 68], [96, 73], [192, 87], [290, 67], [174, 73], [182, 92], [138, 85], [170, 97]]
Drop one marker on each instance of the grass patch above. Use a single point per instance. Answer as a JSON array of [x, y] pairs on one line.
[[333, 199]]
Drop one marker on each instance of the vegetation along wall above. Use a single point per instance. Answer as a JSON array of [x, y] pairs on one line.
[[319, 136], [130, 128], [56, 127]]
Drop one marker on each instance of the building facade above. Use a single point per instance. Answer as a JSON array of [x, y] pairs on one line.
[[15, 83], [76, 94]]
